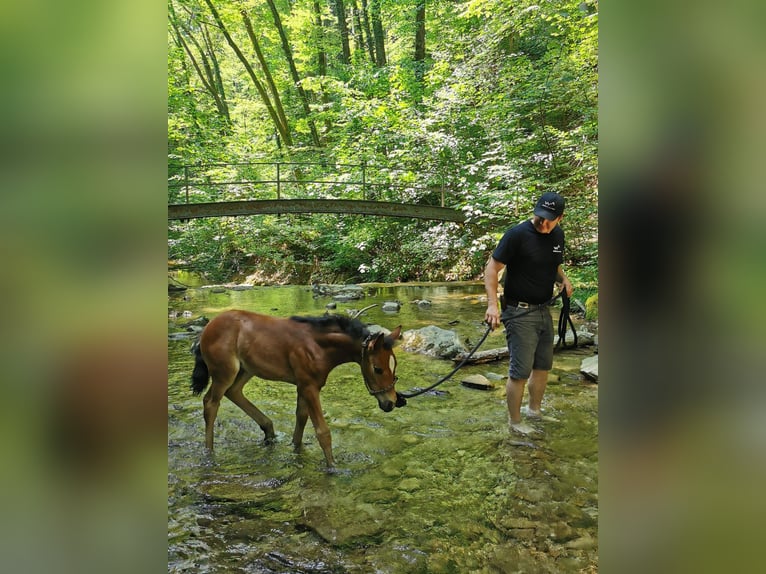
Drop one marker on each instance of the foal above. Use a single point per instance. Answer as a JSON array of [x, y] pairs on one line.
[[237, 345]]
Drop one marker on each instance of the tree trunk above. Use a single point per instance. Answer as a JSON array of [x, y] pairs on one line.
[[216, 71], [368, 33], [205, 72], [321, 59], [377, 32], [340, 13], [420, 40], [356, 27], [321, 54], [265, 67], [294, 72], [282, 128], [420, 32]]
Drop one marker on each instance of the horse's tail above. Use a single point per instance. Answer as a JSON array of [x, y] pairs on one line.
[[200, 375]]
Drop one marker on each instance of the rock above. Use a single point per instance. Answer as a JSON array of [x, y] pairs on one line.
[[198, 322], [373, 328], [331, 306], [589, 368], [583, 543], [432, 341], [342, 523], [584, 338], [477, 382], [391, 307], [422, 303], [179, 336], [338, 292]]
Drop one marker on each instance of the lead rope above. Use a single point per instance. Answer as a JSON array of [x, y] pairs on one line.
[[408, 395], [411, 394], [564, 318]]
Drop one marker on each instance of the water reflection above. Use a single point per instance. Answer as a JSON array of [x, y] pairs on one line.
[[437, 486]]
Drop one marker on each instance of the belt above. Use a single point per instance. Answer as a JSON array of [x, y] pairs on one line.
[[523, 305]]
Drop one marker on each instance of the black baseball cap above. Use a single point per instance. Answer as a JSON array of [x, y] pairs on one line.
[[550, 205]]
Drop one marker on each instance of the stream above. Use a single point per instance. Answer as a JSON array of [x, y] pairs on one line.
[[438, 486]]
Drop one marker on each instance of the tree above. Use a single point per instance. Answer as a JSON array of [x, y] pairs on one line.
[[280, 122], [204, 61], [420, 31], [340, 14], [294, 72], [378, 33], [367, 32]]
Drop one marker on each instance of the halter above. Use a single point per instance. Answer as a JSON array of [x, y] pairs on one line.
[[364, 375]]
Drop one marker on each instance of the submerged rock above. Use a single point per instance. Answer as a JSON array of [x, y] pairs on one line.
[[341, 524]]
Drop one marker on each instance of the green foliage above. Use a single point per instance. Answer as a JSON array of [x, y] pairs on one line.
[[591, 308], [503, 108]]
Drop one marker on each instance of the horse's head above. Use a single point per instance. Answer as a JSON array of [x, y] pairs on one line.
[[379, 369]]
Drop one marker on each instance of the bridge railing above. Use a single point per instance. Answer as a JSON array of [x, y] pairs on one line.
[[197, 183]]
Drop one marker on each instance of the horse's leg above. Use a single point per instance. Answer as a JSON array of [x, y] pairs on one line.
[[301, 416], [211, 402], [223, 377], [235, 395], [314, 407]]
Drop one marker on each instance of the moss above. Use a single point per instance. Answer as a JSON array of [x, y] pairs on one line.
[[591, 308]]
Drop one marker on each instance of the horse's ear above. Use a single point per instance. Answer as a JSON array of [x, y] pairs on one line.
[[376, 341], [396, 333]]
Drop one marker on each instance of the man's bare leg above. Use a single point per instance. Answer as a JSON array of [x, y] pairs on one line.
[[514, 393], [538, 380]]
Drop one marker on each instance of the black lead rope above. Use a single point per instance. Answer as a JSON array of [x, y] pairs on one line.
[[411, 394], [565, 319], [564, 313]]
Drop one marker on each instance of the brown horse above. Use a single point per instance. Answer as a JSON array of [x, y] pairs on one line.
[[237, 345]]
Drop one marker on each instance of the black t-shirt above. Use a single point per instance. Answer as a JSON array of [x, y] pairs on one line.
[[531, 261]]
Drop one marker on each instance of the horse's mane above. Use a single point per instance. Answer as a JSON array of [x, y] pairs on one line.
[[354, 328], [329, 323]]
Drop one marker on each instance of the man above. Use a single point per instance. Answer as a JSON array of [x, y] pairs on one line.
[[533, 252]]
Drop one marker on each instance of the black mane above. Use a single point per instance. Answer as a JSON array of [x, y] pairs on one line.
[[328, 323], [354, 328]]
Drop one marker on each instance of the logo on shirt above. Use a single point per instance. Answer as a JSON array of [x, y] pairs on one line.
[[557, 248]]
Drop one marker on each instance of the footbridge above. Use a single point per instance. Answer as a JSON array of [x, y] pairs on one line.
[[261, 188]]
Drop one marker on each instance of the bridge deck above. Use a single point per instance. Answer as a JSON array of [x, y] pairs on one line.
[[262, 207]]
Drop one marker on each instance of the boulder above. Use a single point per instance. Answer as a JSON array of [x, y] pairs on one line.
[[432, 341], [589, 368]]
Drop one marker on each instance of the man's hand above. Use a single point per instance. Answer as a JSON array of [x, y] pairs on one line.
[[492, 316]]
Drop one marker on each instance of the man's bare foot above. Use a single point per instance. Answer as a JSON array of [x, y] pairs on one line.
[[531, 414], [537, 415], [523, 428]]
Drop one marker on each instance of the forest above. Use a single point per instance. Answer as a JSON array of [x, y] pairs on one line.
[[479, 105]]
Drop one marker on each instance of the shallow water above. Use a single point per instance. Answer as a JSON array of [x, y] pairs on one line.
[[437, 486]]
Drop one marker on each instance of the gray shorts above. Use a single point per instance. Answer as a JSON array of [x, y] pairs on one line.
[[530, 340]]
